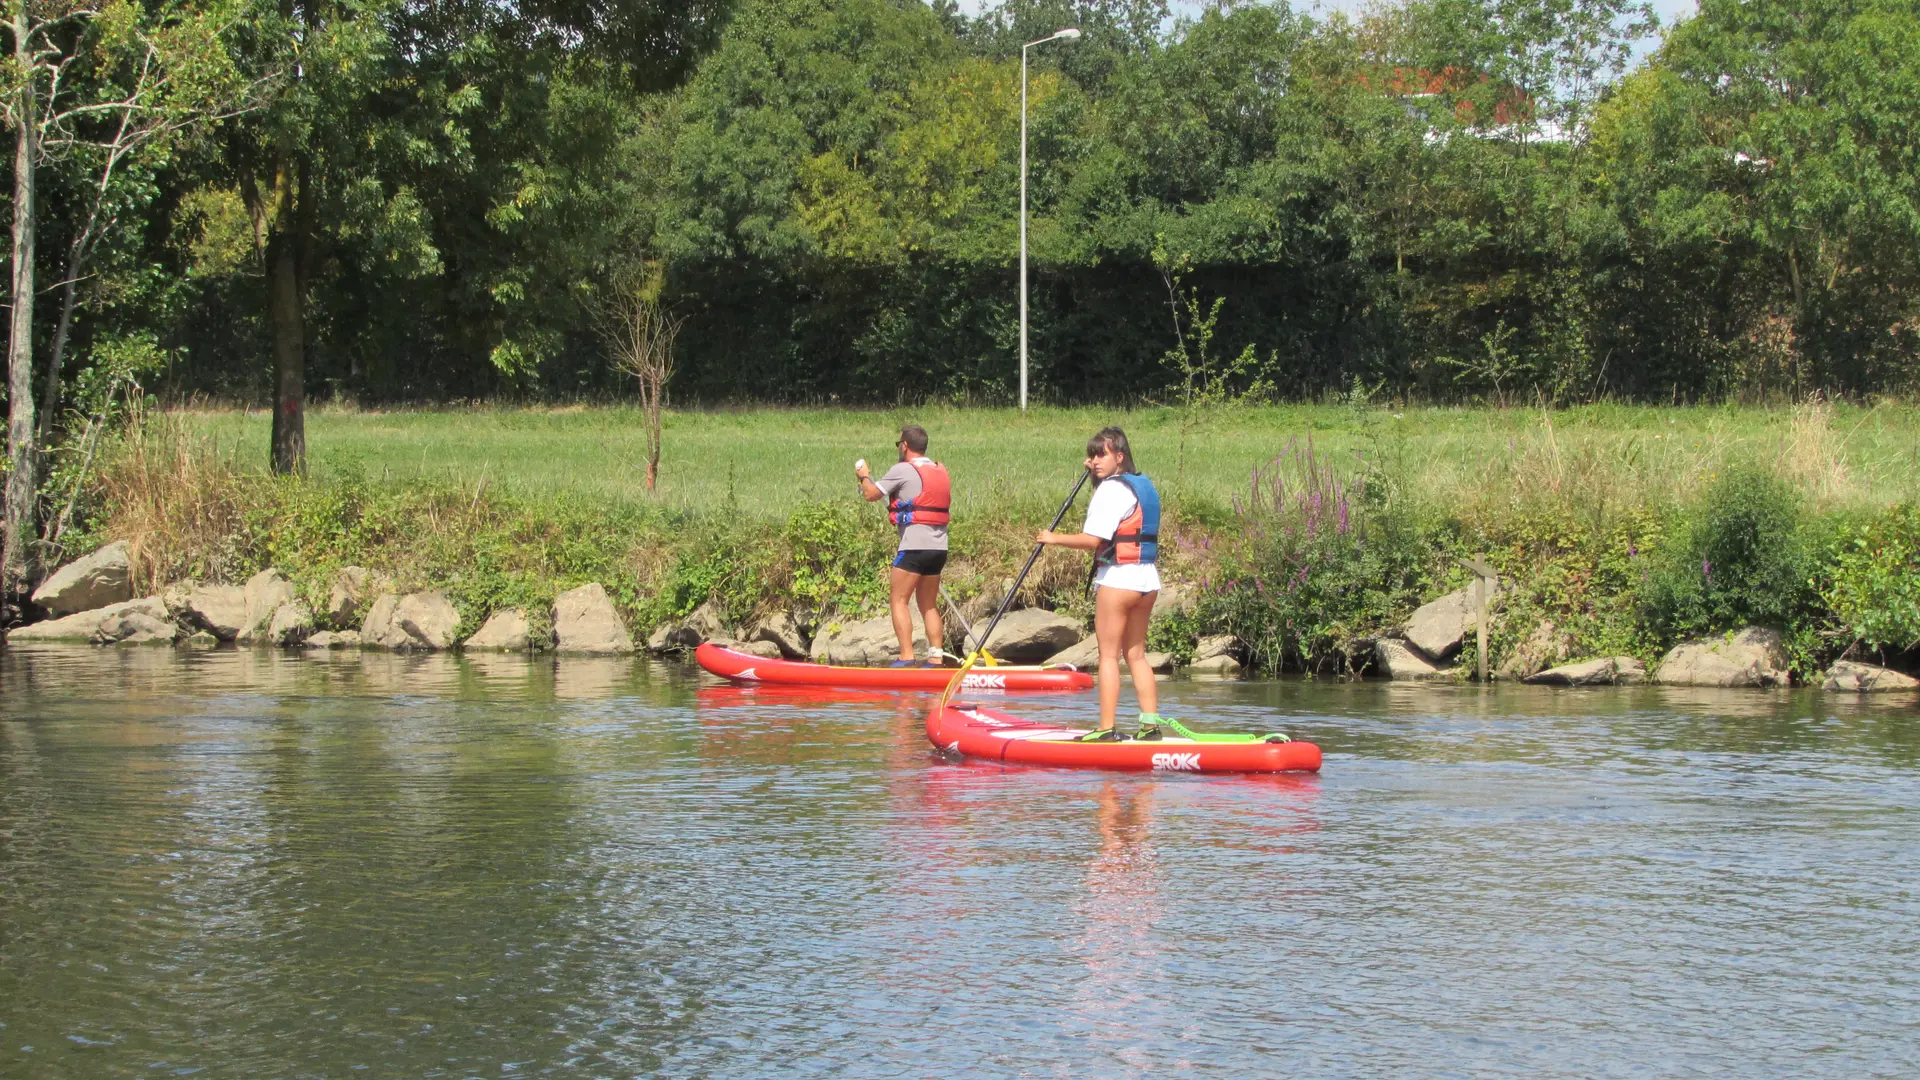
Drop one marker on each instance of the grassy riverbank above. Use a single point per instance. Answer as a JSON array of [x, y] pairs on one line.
[[1308, 528], [775, 460]]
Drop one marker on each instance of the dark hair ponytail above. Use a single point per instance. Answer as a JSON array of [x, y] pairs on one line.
[[1112, 438]]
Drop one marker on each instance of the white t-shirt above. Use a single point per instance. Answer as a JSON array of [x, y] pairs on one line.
[[1111, 503]]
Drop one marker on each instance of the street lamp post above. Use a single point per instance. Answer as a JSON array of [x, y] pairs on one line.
[[1064, 35]]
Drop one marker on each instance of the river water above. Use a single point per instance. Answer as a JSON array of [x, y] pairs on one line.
[[251, 864]]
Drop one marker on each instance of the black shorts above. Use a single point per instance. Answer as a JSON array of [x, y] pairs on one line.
[[924, 563]]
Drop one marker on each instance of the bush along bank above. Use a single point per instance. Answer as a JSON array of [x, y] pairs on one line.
[[1315, 569], [1747, 585]]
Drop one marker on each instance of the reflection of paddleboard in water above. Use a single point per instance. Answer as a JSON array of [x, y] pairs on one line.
[[987, 733], [746, 668], [749, 696]]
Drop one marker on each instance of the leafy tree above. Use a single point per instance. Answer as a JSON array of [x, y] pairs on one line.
[[104, 86]]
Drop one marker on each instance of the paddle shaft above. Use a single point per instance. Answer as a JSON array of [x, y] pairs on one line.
[[982, 640], [965, 628]]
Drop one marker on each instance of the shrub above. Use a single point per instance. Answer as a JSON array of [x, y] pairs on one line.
[[1741, 560], [1320, 564], [1175, 634], [1872, 582], [836, 553]]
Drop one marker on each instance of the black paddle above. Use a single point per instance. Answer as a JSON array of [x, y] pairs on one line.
[[980, 641]]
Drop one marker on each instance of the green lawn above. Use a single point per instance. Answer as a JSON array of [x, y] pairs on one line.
[[772, 459]]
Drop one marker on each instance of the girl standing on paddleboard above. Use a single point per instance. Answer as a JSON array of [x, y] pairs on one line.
[[1122, 530]]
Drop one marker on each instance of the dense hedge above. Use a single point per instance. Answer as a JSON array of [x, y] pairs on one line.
[[1451, 199]]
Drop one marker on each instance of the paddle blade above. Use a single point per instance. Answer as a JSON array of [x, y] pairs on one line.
[[959, 675]]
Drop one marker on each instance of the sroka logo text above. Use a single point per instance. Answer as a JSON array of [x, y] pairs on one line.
[[1177, 762]]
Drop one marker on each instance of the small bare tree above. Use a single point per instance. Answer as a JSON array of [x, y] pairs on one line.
[[639, 334]]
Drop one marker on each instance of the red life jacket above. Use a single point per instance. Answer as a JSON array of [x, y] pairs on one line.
[[1137, 540], [934, 503]]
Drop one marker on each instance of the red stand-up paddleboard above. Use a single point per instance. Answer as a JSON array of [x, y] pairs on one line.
[[747, 668], [988, 733]]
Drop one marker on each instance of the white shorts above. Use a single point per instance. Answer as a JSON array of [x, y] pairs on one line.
[[1134, 577]]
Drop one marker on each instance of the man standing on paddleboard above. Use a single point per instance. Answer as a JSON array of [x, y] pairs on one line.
[[919, 498]]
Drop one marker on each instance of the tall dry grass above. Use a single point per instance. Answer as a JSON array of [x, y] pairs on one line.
[[1813, 456], [175, 498], [1548, 463]]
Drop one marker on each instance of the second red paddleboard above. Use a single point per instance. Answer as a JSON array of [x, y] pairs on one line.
[[746, 668]]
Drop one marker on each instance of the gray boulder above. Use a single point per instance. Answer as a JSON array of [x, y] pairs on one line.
[[89, 583], [783, 631], [80, 627], [585, 621], [1084, 656], [200, 639], [219, 609], [429, 619], [870, 641], [423, 621], [333, 639], [980, 607], [764, 649], [138, 624], [144, 619], [1752, 657], [705, 621], [1606, 671], [378, 630], [1857, 678], [1397, 660], [290, 625], [1031, 635], [1176, 598], [175, 597], [1217, 655], [1438, 628], [351, 590], [504, 631], [671, 638], [265, 592], [1547, 646]]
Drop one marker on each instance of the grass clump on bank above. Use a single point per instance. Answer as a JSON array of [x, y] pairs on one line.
[[1608, 541], [193, 512]]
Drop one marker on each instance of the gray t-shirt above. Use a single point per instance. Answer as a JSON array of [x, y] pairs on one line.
[[903, 482]]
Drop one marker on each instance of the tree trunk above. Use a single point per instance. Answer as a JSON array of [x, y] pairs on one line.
[[651, 396], [57, 354], [23, 459], [289, 361], [289, 334]]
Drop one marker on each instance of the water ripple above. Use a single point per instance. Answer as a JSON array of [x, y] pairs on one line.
[[250, 864]]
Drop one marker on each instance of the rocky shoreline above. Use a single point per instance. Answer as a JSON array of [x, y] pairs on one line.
[[91, 601], [1431, 640]]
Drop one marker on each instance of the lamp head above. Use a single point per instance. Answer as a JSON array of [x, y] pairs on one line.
[[1068, 34]]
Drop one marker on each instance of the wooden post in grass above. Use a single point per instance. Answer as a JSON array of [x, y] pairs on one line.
[[1484, 577]]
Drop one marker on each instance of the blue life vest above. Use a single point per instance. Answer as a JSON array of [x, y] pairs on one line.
[[1137, 540]]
